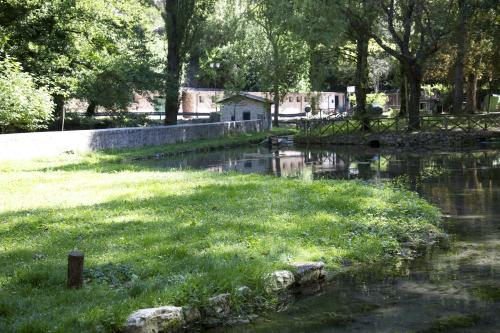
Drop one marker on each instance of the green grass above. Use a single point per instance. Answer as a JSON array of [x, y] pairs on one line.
[[174, 237]]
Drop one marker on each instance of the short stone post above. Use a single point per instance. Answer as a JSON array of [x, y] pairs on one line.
[[75, 269]]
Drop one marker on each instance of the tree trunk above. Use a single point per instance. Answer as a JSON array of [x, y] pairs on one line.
[[172, 87], [174, 64], [316, 75], [471, 106], [403, 92], [414, 75], [362, 80], [276, 90], [361, 75], [461, 35], [91, 109], [276, 100], [59, 105]]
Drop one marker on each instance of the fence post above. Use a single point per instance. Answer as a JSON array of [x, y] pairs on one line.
[[75, 269]]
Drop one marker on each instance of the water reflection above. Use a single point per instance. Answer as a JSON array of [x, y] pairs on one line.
[[457, 290]]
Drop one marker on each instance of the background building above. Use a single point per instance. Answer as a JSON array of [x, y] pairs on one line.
[[203, 100], [246, 107]]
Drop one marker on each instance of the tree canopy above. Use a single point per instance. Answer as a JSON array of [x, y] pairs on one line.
[[103, 52]]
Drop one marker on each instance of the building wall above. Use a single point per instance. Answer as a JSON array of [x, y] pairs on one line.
[[293, 103], [234, 109], [202, 101], [297, 102], [45, 144]]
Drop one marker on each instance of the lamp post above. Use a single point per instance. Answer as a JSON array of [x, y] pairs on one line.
[[215, 66]]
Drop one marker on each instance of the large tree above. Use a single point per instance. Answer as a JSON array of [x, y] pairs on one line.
[[317, 23], [460, 38], [481, 61], [360, 16], [412, 33], [183, 20], [287, 52]]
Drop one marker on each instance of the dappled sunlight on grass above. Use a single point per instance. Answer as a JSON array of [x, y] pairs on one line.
[[183, 235]]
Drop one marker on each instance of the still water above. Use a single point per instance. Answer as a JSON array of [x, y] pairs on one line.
[[453, 290]]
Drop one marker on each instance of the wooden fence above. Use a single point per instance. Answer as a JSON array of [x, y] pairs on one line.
[[381, 125]]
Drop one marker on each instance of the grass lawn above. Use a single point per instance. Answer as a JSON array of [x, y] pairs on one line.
[[174, 237]]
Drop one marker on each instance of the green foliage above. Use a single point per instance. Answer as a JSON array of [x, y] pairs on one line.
[[95, 50], [257, 45], [377, 98], [439, 88], [110, 273], [22, 105], [103, 51], [287, 62], [117, 119], [380, 67]]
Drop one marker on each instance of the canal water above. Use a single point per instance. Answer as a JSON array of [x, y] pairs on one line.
[[447, 290]]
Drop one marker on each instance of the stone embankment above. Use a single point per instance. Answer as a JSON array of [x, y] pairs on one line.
[[415, 139], [48, 144], [218, 309]]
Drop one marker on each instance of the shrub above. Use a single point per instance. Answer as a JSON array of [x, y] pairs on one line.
[[23, 105], [380, 99], [117, 119]]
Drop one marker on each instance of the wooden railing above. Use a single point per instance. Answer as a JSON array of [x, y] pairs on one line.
[[381, 125]]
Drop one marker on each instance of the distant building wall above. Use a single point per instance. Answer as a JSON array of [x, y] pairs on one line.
[[46, 144], [236, 108], [202, 100], [293, 103]]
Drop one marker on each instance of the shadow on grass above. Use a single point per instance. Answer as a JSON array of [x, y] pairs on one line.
[[180, 248]]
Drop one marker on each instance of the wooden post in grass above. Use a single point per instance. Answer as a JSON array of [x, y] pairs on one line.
[[75, 269]]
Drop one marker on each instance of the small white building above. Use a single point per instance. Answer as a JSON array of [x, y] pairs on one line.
[[246, 107]]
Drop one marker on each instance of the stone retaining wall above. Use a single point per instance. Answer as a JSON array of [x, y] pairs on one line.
[[46, 144], [417, 139]]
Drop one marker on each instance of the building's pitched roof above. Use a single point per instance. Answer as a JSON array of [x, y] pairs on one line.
[[249, 96]]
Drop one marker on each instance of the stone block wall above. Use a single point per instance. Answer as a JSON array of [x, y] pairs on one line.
[[47, 144], [406, 140]]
